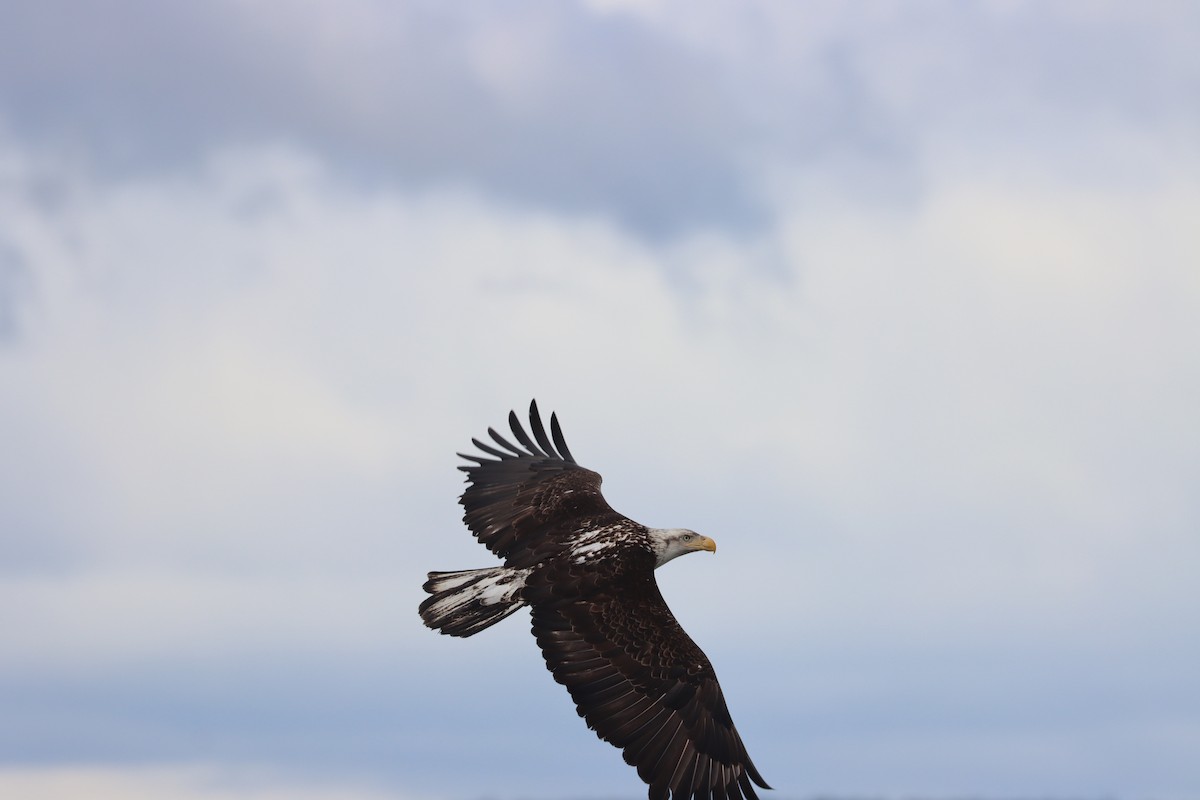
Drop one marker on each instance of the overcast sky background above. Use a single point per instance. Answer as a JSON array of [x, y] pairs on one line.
[[899, 302]]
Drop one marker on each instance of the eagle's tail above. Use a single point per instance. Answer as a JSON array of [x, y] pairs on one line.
[[465, 602]]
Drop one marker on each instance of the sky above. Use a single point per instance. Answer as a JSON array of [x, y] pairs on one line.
[[899, 302]]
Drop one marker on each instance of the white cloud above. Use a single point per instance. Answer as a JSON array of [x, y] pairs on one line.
[[168, 783], [978, 347], [936, 402], [961, 420], [104, 621]]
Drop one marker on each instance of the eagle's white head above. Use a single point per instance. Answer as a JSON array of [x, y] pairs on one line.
[[670, 543]]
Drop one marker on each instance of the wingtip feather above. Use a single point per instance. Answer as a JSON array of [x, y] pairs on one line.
[[539, 430], [519, 431], [505, 443], [559, 441]]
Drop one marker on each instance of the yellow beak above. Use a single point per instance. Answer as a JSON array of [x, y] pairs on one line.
[[706, 543]]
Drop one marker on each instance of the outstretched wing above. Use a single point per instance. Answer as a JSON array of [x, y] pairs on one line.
[[527, 501], [643, 685]]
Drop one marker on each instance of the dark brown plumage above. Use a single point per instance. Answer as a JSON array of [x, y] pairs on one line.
[[606, 633]]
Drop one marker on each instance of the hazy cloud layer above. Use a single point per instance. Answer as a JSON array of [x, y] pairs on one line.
[[663, 117], [165, 783], [937, 402]]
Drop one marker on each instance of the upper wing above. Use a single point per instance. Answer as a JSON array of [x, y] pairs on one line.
[[643, 685], [525, 503]]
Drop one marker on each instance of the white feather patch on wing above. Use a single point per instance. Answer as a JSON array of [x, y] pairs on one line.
[[593, 545]]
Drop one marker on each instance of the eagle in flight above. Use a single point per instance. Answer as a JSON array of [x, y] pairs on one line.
[[587, 574]]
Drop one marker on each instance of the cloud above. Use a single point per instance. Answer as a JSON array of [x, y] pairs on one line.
[[166, 783], [912, 336], [660, 118], [534, 106], [942, 426]]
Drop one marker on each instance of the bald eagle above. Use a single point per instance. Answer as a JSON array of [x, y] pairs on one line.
[[587, 574]]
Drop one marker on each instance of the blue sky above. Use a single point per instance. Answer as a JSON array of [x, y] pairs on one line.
[[898, 302]]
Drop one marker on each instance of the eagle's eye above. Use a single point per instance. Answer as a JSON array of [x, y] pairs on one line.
[[687, 537]]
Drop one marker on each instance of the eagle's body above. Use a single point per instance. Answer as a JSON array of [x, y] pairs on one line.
[[605, 631]]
